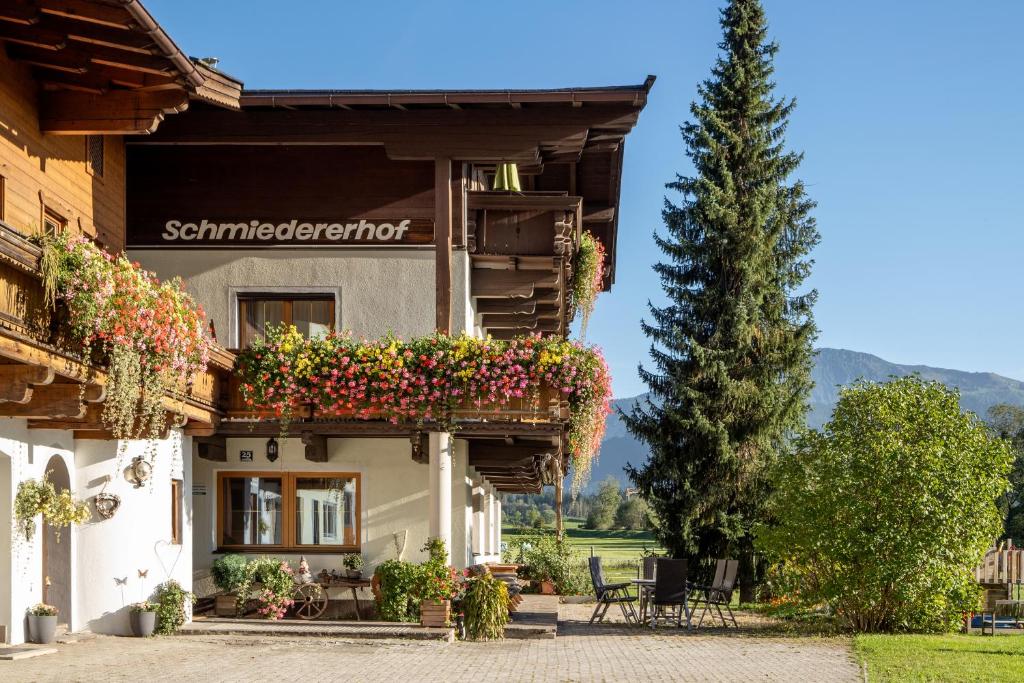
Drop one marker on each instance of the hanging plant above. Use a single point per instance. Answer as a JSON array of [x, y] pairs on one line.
[[39, 497], [427, 378], [587, 277], [149, 334]]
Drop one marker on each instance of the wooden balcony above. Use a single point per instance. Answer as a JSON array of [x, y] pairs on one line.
[[42, 371], [522, 247]]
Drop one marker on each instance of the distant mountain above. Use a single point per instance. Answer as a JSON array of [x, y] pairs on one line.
[[833, 369]]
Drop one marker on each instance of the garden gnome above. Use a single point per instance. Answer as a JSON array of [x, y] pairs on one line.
[[305, 576]]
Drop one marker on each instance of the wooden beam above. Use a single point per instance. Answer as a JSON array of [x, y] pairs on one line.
[[53, 400], [91, 12], [32, 36], [22, 14], [514, 307], [213, 448], [494, 283], [443, 243], [17, 381], [316, 446]]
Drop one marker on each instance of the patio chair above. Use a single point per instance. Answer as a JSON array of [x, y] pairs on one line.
[[647, 569], [719, 593], [671, 593], [609, 594]]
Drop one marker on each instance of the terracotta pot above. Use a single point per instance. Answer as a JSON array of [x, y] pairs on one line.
[[547, 587], [143, 623], [435, 613], [42, 629]]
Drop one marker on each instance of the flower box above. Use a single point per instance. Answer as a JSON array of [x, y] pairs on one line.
[[225, 605], [435, 613]]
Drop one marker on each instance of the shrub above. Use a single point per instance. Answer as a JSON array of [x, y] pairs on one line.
[[397, 580], [884, 513], [548, 559], [277, 583], [228, 572], [171, 600], [485, 605]]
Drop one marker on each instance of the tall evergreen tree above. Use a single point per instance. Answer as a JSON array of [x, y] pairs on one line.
[[732, 349]]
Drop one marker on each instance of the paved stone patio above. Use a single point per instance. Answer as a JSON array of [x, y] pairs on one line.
[[610, 652]]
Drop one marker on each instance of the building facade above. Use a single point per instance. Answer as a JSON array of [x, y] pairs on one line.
[[370, 212]]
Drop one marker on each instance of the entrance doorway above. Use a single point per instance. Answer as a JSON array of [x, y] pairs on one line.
[[57, 550]]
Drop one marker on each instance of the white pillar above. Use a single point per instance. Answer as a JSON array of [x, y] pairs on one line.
[[497, 525], [441, 488], [478, 517], [489, 514]]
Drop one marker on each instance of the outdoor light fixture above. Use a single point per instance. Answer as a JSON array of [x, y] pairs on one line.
[[271, 449]]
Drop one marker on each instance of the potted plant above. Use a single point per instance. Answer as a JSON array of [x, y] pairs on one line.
[[142, 616], [438, 584], [485, 606], [353, 563], [228, 572], [42, 623]]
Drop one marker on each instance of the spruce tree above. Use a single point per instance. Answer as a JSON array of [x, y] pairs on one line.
[[732, 349]]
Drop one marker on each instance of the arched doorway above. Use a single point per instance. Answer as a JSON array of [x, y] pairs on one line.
[[57, 549]]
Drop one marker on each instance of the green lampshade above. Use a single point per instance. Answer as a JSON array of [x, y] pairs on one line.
[[506, 177]]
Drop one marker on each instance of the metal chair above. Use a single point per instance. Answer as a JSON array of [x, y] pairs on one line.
[[670, 591], [719, 593], [608, 594]]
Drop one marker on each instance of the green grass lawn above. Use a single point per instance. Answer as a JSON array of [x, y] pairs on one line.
[[942, 658], [620, 550]]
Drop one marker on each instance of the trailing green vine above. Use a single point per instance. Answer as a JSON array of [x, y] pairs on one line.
[[39, 497], [148, 333], [587, 277], [485, 605]]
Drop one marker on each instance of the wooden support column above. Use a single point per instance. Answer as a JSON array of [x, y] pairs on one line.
[[559, 477], [443, 243]]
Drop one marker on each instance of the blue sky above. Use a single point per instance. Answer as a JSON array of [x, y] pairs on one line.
[[909, 115]]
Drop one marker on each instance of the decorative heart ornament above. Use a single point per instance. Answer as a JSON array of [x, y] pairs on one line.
[[106, 504]]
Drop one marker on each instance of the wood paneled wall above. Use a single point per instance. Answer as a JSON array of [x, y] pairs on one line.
[[39, 168]]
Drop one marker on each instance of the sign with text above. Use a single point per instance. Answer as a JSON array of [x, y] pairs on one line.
[[297, 232]]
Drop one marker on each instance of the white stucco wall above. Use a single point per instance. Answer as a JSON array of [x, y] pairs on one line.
[[379, 290], [137, 537], [394, 515]]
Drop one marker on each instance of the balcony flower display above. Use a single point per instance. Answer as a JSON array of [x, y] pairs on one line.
[[427, 378], [588, 277], [148, 333]]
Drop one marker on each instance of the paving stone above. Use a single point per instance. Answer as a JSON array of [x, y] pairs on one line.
[[605, 652]]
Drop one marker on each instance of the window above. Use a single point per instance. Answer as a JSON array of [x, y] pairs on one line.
[[285, 510], [53, 223], [176, 511], [94, 154], [313, 316]]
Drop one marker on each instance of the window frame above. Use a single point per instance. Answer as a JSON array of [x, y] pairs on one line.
[[288, 533], [177, 499], [50, 215], [242, 300]]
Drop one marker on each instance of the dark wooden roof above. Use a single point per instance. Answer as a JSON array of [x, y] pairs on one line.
[[104, 66]]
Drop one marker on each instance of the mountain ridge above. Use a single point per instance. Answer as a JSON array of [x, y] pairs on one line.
[[833, 368]]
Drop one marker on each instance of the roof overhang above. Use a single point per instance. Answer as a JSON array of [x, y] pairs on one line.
[[104, 66]]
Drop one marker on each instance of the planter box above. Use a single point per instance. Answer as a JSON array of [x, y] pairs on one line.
[[42, 630], [436, 613], [546, 587], [143, 623], [225, 605]]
